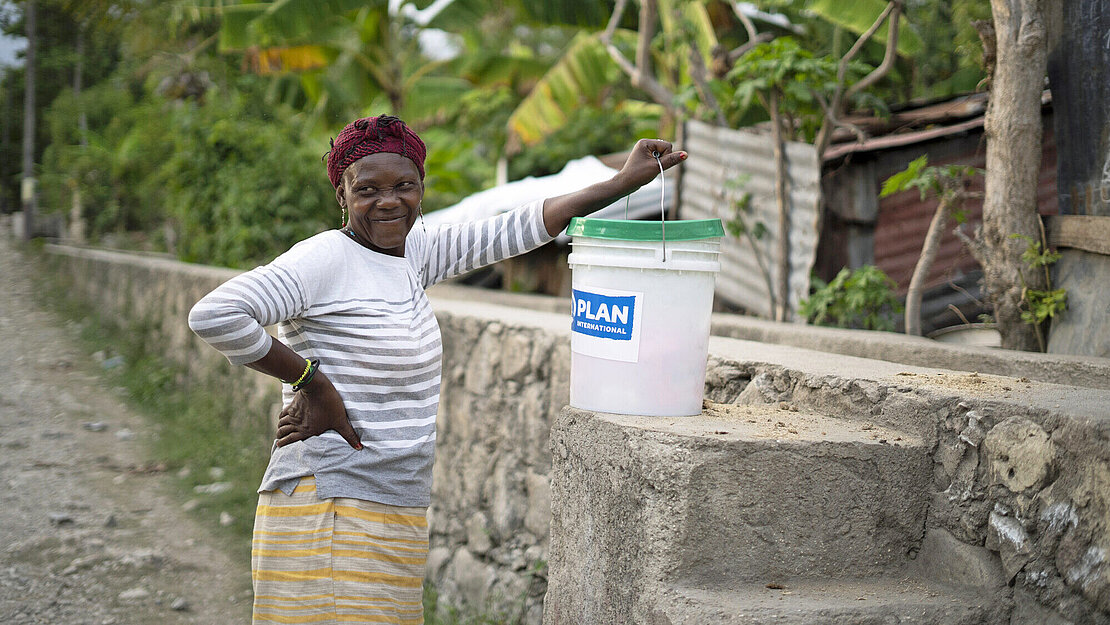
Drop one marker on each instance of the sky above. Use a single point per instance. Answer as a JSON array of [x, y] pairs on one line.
[[8, 48], [9, 45]]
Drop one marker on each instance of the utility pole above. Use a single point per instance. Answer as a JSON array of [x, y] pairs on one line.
[[28, 186], [6, 139]]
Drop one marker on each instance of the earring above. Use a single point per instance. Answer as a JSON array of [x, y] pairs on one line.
[[343, 219], [419, 209]]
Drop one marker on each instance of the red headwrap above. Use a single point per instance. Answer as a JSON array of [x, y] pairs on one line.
[[371, 135]]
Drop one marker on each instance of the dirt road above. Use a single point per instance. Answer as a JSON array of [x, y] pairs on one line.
[[88, 533]]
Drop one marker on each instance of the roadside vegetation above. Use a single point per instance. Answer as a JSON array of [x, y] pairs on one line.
[[195, 127]]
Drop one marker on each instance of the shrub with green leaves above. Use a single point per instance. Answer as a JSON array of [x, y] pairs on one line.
[[242, 185], [861, 299], [1039, 307]]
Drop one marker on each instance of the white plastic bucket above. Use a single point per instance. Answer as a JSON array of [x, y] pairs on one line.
[[640, 323]]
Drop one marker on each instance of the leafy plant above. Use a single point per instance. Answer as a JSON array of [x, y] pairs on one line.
[[944, 181], [787, 80], [949, 184], [861, 299], [737, 225], [240, 187], [1039, 306]]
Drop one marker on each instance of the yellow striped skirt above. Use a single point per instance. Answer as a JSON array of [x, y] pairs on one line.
[[337, 560]]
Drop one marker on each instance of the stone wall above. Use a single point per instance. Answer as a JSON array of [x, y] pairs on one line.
[[1008, 515], [150, 296], [1018, 497], [1020, 470], [505, 376]]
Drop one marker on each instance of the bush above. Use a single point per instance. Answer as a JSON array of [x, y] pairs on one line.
[[861, 299], [112, 165]]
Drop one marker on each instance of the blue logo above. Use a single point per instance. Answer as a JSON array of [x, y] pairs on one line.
[[603, 316]]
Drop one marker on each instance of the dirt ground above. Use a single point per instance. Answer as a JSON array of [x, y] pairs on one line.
[[89, 534]]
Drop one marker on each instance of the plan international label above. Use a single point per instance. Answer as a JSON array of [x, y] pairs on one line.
[[606, 323]]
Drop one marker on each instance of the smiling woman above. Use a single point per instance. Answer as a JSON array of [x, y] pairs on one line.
[[340, 534], [381, 193]]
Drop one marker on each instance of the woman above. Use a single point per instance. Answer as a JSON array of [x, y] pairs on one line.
[[340, 531]]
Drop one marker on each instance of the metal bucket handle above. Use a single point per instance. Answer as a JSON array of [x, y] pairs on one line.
[[662, 202]]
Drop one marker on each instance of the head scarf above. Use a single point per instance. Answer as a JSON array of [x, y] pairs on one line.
[[371, 135]]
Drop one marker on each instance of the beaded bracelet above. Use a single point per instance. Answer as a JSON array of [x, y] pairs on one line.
[[309, 373], [307, 366]]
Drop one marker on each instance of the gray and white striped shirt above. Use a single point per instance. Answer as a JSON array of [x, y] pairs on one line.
[[366, 317]]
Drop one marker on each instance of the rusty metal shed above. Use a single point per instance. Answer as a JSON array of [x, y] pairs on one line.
[[859, 228]]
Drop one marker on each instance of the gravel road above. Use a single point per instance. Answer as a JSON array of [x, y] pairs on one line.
[[89, 533]]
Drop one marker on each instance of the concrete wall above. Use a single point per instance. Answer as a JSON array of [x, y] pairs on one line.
[[150, 295], [1016, 484]]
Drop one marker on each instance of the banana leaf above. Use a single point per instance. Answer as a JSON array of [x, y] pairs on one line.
[[584, 77], [859, 15], [580, 78]]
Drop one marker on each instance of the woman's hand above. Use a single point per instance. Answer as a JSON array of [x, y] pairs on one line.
[[315, 409], [640, 169], [642, 166]]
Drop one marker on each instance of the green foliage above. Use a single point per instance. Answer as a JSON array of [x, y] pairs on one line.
[[229, 173], [862, 299], [111, 166], [1034, 255], [859, 15], [587, 131], [241, 185], [800, 79], [737, 224], [585, 77], [56, 56], [457, 166], [1044, 305], [940, 54], [236, 180], [1040, 305], [946, 182]]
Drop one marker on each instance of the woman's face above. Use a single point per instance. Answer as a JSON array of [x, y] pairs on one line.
[[382, 194]]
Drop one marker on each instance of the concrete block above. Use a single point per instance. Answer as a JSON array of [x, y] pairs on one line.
[[945, 559], [1029, 611], [906, 601], [739, 494]]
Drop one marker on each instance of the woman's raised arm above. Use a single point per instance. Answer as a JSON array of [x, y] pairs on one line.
[[640, 169]]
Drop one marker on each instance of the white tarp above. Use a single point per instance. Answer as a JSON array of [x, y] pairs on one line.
[[579, 173]]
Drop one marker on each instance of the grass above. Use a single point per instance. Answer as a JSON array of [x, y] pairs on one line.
[[450, 615]]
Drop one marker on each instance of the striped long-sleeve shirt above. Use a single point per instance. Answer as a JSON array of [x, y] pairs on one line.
[[366, 317]]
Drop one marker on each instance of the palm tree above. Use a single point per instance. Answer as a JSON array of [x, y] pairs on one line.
[[337, 55]]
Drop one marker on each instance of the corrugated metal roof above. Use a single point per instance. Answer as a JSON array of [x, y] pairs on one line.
[[723, 165], [898, 140]]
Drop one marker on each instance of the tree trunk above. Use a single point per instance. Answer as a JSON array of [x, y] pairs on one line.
[[1013, 131], [782, 197], [77, 211], [924, 264], [27, 188]]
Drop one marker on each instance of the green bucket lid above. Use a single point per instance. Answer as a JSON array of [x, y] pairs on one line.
[[631, 230]]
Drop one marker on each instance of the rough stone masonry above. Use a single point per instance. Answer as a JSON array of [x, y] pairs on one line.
[[999, 484]]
